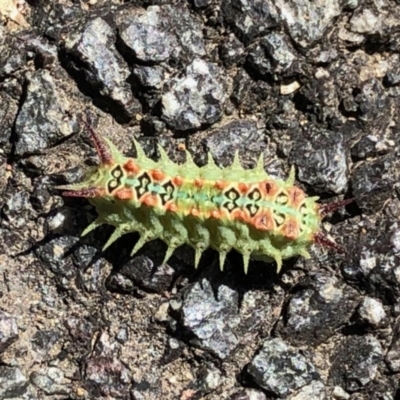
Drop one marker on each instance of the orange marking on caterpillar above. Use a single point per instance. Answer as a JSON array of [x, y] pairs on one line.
[[269, 188], [199, 182], [124, 194], [177, 180], [194, 212], [221, 185], [149, 199], [171, 207], [240, 215], [157, 175], [216, 214], [243, 187], [290, 229], [264, 221], [131, 167]]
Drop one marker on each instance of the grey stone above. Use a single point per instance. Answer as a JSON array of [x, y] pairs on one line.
[[42, 120], [12, 382], [308, 21], [371, 311], [250, 19], [238, 135], [314, 391], [316, 312], [197, 98], [356, 362], [103, 67], [321, 159], [50, 380], [211, 317], [281, 369], [160, 33], [273, 55], [8, 330], [372, 182]]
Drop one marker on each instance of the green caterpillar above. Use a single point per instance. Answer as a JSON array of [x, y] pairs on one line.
[[231, 208]]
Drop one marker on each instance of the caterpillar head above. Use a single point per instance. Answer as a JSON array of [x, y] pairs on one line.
[[101, 179]]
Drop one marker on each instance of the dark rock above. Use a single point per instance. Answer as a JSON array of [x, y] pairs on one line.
[[103, 67], [42, 120], [372, 182], [43, 341], [41, 198], [370, 146], [281, 369], [12, 382], [374, 261], [392, 78], [318, 99], [231, 51], [83, 256], [143, 31], [45, 53], [273, 55], [196, 99], [392, 357], [80, 329], [147, 276], [18, 210], [54, 255], [253, 96], [91, 272], [356, 362], [372, 100], [210, 318], [174, 349], [202, 3], [250, 19], [56, 19], [160, 33], [151, 77], [8, 113], [13, 56], [321, 158], [8, 331], [242, 135], [120, 284], [320, 305]]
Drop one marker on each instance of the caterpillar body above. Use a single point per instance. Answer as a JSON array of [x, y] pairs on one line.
[[231, 208]]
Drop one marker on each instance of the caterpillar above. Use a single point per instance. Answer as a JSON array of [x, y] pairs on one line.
[[232, 208]]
